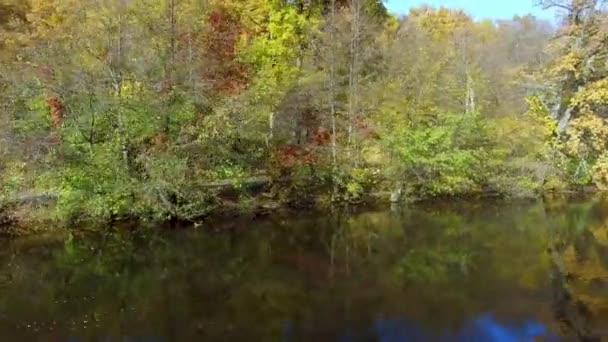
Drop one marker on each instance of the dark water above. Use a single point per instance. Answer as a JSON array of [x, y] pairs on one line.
[[448, 272]]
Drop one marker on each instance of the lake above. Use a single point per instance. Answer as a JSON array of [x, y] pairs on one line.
[[446, 271]]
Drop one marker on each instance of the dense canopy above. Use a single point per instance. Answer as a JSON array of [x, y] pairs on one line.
[[140, 108]]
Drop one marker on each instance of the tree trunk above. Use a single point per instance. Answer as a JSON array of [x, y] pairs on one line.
[[169, 68], [332, 83], [353, 71], [117, 80]]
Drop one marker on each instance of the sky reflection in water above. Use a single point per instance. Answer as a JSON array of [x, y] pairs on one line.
[[482, 328]]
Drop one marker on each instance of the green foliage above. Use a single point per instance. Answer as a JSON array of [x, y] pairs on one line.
[[304, 184], [356, 184], [440, 157], [100, 188], [459, 154], [539, 117], [526, 154], [104, 189], [125, 110], [170, 190], [12, 179]]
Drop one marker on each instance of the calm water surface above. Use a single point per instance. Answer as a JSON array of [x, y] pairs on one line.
[[446, 272]]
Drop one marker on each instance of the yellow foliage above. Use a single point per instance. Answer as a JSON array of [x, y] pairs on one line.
[[441, 23], [594, 94], [566, 63], [131, 89], [600, 172], [530, 135], [46, 17], [587, 135]]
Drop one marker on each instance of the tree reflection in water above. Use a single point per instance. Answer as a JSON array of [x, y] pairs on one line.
[[455, 272]]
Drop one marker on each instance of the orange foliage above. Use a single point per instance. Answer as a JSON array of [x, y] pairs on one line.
[[321, 137], [366, 130], [57, 110], [291, 155], [160, 139], [225, 73], [157, 142], [53, 139]]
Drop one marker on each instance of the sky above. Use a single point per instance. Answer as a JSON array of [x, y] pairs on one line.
[[479, 9]]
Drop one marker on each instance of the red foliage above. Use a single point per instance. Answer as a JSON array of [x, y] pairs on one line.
[[365, 130], [291, 155], [321, 137], [309, 158], [215, 18], [57, 110], [53, 139], [225, 73], [288, 155]]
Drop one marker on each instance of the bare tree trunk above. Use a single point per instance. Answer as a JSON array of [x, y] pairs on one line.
[[469, 101], [171, 59], [271, 119], [353, 72], [299, 119], [91, 135], [298, 122], [190, 61], [172, 32], [470, 96], [332, 83], [117, 80], [270, 127]]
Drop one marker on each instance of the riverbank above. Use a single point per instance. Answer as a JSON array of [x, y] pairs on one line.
[[31, 213]]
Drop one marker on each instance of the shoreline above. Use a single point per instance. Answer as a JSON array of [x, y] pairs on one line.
[[13, 222]]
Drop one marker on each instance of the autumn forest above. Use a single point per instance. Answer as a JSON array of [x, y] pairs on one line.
[[175, 109]]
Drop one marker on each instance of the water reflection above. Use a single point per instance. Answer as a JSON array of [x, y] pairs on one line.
[[453, 272], [481, 328]]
